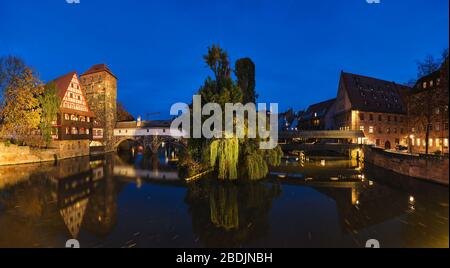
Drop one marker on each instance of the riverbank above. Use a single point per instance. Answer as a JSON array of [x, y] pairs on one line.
[[431, 168], [17, 155]]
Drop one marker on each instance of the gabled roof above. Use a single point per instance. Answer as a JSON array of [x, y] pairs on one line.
[[320, 108], [374, 95], [62, 84], [98, 68]]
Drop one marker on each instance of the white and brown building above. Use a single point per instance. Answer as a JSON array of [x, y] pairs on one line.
[[72, 130]]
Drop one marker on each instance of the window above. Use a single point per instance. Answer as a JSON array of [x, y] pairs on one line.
[[424, 85], [445, 143], [67, 131], [397, 141], [361, 116], [371, 129], [446, 126], [401, 119], [87, 131], [88, 119], [437, 127], [380, 131], [389, 118], [402, 130], [74, 130], [388, 130], [66, 117], [438, 142], [395, 130], [437, 110], [418, 142], [380, 118], [438, 81], [395, 118], [361, 128], [82, 119], [430, 142], [431, 83], [378, 142], [371, 117]]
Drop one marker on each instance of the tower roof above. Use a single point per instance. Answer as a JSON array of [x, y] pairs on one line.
[[97, 68]]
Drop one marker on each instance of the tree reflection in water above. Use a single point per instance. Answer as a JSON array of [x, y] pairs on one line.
[[229, 215]]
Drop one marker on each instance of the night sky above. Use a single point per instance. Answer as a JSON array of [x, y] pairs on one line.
[[156, 47]]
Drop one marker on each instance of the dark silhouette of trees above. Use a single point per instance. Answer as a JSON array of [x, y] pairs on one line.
[[245, 74]]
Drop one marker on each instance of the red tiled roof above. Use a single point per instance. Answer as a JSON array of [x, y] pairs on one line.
[[374, 95], [98, 68]]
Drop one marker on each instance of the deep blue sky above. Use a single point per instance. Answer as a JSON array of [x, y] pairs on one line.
[[156, 47]]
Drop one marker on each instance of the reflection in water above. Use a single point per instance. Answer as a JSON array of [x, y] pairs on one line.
[[229, 215], [137, 200]]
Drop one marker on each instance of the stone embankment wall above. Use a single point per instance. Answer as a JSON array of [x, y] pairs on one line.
[[16, 155], [431, 168]]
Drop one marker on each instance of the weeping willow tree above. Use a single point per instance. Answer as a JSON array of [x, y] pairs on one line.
[[230, 158]]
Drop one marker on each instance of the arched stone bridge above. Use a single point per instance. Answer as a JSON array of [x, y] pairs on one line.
[[149, 134]]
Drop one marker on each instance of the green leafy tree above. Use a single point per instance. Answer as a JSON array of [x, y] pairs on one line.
[[50, 103], [230, 158]]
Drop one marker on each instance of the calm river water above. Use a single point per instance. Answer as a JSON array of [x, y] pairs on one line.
[[117, 202]]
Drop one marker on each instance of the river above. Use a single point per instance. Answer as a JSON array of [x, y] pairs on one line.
[[114, 201]]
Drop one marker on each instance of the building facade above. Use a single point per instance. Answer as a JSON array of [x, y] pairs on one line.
[[319, 116], [428, 113], [101, 91], [374, 106], [74, 119]]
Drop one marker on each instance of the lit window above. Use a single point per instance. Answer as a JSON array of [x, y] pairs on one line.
[[424, 85], [438, 142], [430, 142], [361, 128], [431, 83], [371, 129], [66, 116], [418, 142], [445, 142]]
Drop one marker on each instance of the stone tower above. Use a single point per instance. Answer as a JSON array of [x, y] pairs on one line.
[[100, 85]]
